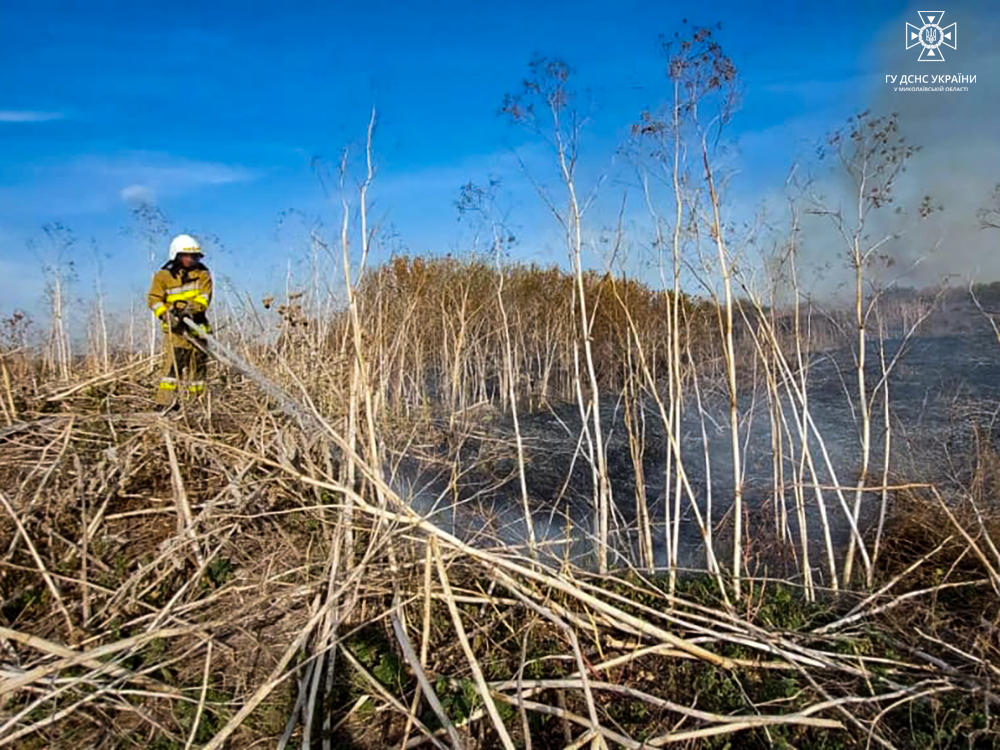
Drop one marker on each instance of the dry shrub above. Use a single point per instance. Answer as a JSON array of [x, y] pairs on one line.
[[920, 521], [944, 608]]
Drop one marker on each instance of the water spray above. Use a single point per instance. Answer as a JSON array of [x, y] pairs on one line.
[[227, 357]]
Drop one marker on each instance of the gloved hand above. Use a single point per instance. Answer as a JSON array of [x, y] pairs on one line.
[[177, 318]]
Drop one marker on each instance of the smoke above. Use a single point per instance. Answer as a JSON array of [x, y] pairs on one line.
[[959, 162], [137, 194], [957, 167]]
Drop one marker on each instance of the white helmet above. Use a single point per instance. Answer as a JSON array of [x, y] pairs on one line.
[[184, 243]]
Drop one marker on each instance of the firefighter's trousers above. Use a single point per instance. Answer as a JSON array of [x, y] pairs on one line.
[[182, 371]]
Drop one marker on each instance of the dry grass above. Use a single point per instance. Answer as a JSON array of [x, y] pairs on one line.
[[128, 621]]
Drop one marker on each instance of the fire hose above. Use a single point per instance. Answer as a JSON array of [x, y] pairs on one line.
[[204, 341]]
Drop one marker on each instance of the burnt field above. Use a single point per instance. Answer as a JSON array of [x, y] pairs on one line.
[[945, 396], [230, 575]]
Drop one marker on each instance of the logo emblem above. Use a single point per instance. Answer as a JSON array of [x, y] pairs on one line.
[[931, 36]]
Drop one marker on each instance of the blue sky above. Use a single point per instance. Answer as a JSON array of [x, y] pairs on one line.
[[214, 110]]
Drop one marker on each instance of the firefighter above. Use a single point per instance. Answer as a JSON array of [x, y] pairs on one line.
[[181, 290]]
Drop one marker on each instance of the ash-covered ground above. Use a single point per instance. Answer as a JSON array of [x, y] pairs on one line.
[[944, 394]]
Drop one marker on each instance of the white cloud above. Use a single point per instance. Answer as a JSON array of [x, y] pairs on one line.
[[96, 183], [138, 194], [20, 115], [163, 173]]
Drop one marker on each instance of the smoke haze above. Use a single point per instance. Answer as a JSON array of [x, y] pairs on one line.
[[959, 162]]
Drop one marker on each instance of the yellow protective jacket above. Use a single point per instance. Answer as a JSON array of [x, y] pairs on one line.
[[179, 288]]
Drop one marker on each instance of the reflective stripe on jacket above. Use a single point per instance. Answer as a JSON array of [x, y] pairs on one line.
[[194, 287]]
